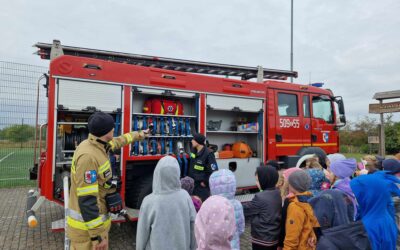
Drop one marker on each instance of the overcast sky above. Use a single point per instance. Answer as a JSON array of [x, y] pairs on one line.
[[352, 46]]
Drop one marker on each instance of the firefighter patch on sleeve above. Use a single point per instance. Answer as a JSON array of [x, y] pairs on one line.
[[107, 173], [214, 166], [90, 176]]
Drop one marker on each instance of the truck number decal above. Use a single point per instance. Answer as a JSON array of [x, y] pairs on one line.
[[287, 123]]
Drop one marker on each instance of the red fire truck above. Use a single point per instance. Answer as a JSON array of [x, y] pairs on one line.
[[275, 119]]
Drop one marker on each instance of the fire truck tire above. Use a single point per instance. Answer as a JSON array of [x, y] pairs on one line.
[[146, 189], [136, 191], [314, 150]]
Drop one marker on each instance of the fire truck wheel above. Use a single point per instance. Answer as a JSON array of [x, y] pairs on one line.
[[146, 189], [314, 150], [137, 189]]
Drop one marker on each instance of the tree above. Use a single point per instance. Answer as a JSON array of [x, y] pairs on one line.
[[19, 133], [2, 134], [367, 125], [392, 136], [355, 135]]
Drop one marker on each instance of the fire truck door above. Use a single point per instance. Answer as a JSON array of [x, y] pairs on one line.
[[323, 133], [288, 125], [305, 124]]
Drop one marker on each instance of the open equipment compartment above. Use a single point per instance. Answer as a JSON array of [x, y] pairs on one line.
[[171, 135], [174, 121], [75, 102], [236, 119]]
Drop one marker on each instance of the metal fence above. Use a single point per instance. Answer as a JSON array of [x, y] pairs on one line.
[[18, 92]]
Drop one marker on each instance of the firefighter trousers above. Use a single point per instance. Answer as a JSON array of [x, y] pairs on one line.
[[87, 244], [200, 191]]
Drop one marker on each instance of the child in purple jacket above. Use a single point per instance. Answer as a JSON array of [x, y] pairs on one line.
[[187, 184]]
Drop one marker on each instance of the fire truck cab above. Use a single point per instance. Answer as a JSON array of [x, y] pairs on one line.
[[276, 119]]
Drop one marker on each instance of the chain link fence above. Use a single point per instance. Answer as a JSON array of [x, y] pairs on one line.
[[18, 97]]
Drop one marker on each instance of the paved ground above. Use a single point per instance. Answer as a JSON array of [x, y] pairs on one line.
[[15, 234]]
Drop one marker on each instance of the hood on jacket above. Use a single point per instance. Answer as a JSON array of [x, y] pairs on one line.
[[223, 182], [330, 209], [166, 176], [215, 224], [346, 236], [267, 176], [374, 196], [380, 187], [317, 179]]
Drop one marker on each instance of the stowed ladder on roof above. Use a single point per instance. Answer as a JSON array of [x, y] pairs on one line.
[[51, 51]]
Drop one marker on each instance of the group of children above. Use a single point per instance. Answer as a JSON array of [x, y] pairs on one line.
[[168, 218], [323, 203]]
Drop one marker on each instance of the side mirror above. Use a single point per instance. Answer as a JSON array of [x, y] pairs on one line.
[[342, 119], [339, 101], [342, 116], [341, 107]]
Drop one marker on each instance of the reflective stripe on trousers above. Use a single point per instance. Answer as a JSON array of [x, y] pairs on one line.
[[75, 220]]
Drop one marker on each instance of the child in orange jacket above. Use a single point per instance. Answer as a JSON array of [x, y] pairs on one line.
[[300, 221]]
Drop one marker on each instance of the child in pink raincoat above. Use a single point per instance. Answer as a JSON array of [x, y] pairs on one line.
[[215, 224]]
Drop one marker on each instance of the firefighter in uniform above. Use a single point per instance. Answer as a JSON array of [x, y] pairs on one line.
[[202, 164], [93, 193]]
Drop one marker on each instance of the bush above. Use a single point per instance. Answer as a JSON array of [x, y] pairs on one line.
[[344, 149], [365, 149], [18, 133], [392, 137]]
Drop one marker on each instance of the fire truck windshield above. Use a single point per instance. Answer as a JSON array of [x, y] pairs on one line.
[[322, 109]]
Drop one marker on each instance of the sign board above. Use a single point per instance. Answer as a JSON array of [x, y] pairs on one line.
[[387, 95], [380, 108], [373, 139]]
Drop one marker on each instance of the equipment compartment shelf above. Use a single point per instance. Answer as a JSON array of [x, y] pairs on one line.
[[177, 116], [150, 157], [233, 110], [85, 112], [72, 123], [170, 136], [236, 159], [231, 132]]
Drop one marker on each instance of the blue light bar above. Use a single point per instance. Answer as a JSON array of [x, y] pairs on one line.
[[317, 84]]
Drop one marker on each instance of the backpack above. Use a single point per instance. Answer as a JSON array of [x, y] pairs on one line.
[[241, 150], [163, 106]]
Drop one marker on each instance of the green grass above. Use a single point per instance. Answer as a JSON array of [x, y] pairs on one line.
[[14, 166], [356, 156]]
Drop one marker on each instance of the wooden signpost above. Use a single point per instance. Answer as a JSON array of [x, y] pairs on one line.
[[373, 139], [381, 108], [390, 107]]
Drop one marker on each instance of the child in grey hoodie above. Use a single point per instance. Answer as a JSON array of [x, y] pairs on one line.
[[167, 215]]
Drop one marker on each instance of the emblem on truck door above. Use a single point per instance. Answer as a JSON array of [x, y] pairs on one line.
[[325, 137]]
